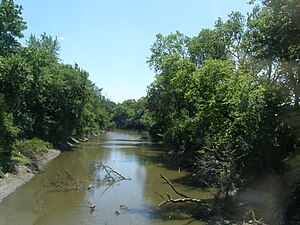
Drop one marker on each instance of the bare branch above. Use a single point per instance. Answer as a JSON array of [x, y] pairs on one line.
[[160, 195], [178, 200], [181, 200], [112, 170], [180, 194]]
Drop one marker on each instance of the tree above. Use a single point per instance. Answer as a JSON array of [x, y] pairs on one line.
[[209, 44], [15, 85], [173, 44], [46, 43], [11, 26], [129, 114], [276, 32], [199, 100], [8, 131]]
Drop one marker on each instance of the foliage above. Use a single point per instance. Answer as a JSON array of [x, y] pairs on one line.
[[129, 114], [50, 100], [173, 44], [40, 97], [216, 105], [8, 131], [6, 164], [11, 26], [30, 148], [275, 31]]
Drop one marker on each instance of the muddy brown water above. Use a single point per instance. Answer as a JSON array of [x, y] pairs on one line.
[[43, 200]]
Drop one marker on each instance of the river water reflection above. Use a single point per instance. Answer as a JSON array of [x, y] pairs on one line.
[[126, 152]]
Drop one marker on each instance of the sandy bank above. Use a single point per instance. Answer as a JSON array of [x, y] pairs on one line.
[[23, 174]]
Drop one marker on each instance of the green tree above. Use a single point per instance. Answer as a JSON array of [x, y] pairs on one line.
[[209, 44], [173, 44], [275, 29], [45, 43], [15, 85], [94, 116], [129, 114], [8, 131], [11, 26]]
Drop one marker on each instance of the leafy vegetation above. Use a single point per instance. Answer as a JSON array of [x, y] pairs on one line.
[[40, 97], [130, 114], [30, 148], [221, 101]]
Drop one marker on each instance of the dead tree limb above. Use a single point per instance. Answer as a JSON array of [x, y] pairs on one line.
[[171, 185], [256, 221], [113, 171], [160, 195], [111, 174], [181, 200], [184, 198]]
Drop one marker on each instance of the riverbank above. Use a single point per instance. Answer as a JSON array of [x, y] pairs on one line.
[[23, 174]]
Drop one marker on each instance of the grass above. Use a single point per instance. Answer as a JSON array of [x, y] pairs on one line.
[[21, 160], [23, 152], [30, 148]]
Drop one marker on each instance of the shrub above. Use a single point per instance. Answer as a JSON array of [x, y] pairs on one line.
[[30, 148]]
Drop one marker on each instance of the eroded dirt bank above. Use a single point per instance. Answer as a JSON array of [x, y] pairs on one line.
[[12, 181]]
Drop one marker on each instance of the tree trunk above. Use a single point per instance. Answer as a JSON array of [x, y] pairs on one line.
[[297, 95], [294, 80]]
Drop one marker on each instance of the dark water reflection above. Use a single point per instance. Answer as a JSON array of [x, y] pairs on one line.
[[126, 152]]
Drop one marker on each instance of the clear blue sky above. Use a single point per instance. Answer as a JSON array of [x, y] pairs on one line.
[[111, 39]]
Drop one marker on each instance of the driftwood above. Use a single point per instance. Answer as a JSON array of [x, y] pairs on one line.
[[204, 202], [184, 198], [104, 175], [254, 220], [75, 141], [63, 182], [111, 174]]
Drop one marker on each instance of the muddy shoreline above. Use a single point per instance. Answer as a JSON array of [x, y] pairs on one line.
[[23, 174]]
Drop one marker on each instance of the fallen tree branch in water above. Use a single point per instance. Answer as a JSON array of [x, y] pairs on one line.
[[181, 200], [169, 183], [210, 207], [104, 174], [64, 181], [254, 220], [184, 198], [110, 171], [112, 175]]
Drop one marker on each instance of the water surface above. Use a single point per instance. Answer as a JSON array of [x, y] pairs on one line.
[[43, 201]]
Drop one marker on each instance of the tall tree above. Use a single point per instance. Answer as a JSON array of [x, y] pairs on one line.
[[11, 26], [276, 33], [173, 44], [45, 43], [209, 44]]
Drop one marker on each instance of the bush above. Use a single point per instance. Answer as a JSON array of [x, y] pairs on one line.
[[31, 148], [1, 172], [6, 164], [23, 160]]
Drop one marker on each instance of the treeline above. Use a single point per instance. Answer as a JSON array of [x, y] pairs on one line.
[[40, 97], [130, 114], [226, 101]]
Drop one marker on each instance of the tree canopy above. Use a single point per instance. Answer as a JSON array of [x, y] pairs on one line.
[[11, 26], [222, 94], [40, 97]]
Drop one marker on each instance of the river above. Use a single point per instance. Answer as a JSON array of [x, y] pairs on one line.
[[43, 201]]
